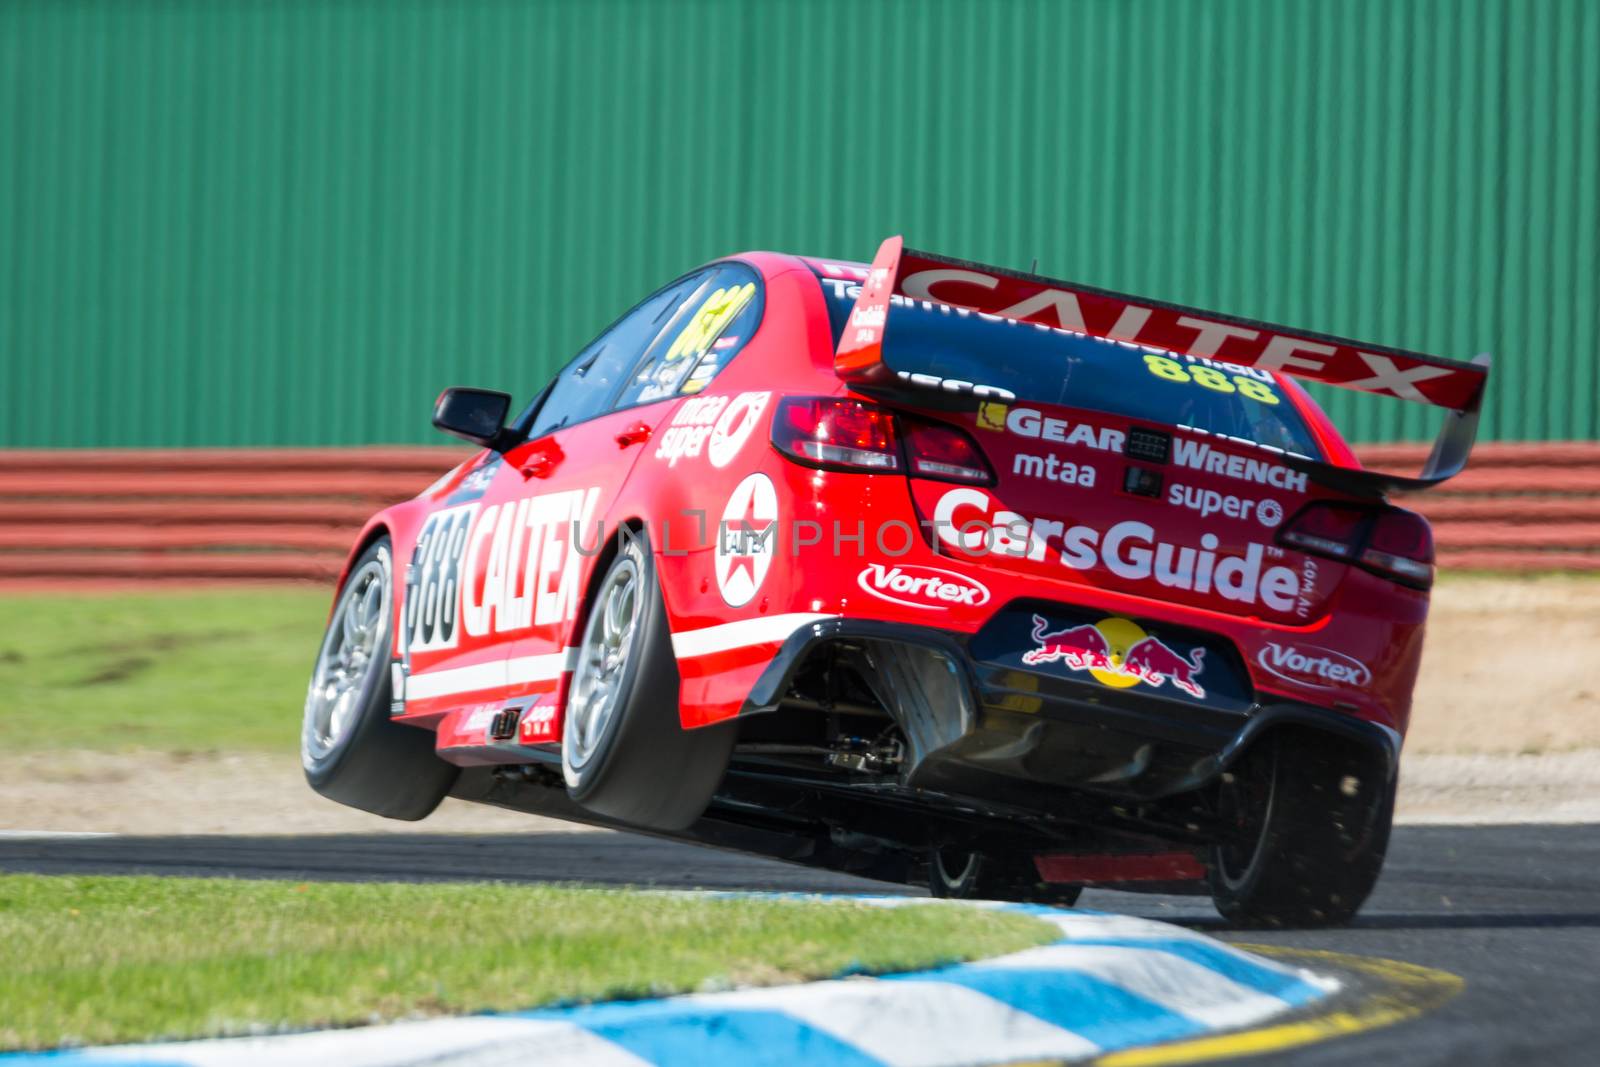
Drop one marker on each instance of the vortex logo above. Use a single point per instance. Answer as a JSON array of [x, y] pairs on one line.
[[922, 587], [1318, 668]]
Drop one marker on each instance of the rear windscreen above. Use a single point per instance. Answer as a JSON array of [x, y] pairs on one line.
[[1054, 366]]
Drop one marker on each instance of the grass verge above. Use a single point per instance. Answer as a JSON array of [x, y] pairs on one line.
[[175, 671], [205, 670], [91, 960]]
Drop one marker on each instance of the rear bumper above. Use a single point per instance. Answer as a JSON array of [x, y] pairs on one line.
[[987, 729]]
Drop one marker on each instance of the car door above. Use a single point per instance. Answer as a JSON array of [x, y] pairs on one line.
[[448, 666], [492, 562], [583, 441]]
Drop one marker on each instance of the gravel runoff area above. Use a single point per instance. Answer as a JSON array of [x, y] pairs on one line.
[[1506, 729], [153, 793]]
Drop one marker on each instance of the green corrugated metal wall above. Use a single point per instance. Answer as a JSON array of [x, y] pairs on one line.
[[283, 222]]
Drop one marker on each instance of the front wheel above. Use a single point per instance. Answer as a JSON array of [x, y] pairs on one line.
[[624, 753], [350, 749], [1310, 819]]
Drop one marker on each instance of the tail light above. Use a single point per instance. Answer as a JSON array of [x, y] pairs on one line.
[[1332, 530], [1389, 541], [838, 433], [945, 453], [1401, 546]]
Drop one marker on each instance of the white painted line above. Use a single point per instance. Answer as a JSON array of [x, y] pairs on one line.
[[551, 665], [764, 630], [49, 835], [1100, 927], [491, 675], [476, 1039], [496, 674], [916, 1024]]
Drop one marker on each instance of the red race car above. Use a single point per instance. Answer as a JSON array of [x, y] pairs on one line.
[[923, 570]]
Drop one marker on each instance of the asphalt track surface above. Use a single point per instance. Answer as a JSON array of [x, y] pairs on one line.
[[1514, 910]]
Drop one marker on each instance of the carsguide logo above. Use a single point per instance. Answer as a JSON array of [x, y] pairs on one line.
[[970, 521], [922, 587], [1309, 665]]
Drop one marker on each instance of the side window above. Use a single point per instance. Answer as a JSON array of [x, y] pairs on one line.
[[707, 331], [585, 387]]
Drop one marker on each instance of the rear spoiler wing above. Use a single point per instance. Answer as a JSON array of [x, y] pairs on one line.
[[897, 271]]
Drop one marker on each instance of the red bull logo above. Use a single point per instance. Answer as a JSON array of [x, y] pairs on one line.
[[1081, 648], [1118, 653]]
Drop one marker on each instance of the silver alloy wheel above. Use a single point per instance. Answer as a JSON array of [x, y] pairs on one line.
[[608, 646], [968, 869], [347, 662]]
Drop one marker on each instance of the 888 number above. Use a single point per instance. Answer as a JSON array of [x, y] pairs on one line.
[[1211, 378]]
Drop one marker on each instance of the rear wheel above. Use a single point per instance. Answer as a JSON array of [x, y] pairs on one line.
[[966, 874], [624, 752], [1310, 820], [350, 749]]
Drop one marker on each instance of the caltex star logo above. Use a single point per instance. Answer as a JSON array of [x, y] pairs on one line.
[[746, 539]]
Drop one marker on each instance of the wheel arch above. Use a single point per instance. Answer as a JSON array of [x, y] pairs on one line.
[[375, 530], [399, 523], [1373, 741], [599, 564], [629, 527]]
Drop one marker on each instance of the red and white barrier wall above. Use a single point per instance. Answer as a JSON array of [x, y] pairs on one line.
[[287, 514]]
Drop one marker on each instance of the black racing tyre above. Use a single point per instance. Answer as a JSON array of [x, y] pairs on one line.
[[624, 754], [350, 748], [1312, 817], [964, 874]]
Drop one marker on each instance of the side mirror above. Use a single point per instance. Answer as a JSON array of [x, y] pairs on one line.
[[476, 415]]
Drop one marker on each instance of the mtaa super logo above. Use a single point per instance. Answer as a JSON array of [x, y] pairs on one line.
[[1116, 652]]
